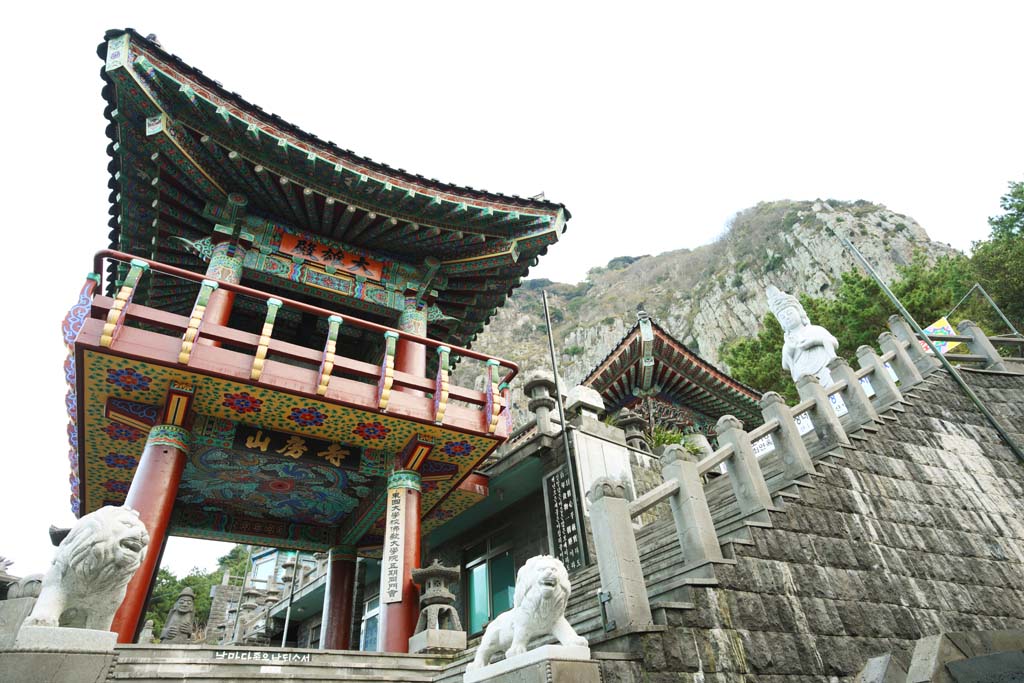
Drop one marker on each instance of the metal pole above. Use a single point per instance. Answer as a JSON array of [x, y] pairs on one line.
[[570, 461], [241, 594], [995, 307], [291, 596], [954, 373]]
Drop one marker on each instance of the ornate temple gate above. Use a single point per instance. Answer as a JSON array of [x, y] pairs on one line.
[[269, 361]]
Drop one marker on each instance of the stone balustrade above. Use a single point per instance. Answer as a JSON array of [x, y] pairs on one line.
[[797, 435]]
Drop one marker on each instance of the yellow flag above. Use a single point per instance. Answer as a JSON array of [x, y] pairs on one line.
[[940, 327]]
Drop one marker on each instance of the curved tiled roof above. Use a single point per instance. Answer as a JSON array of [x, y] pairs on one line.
[[671, 372], [181, 144]]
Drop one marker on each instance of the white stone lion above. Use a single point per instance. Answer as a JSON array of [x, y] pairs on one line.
[[538, 609], [91, 570]]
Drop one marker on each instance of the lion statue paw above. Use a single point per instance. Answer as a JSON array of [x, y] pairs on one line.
[[538, 609]]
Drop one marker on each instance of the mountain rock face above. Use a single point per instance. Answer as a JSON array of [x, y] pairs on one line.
[[705, 296]]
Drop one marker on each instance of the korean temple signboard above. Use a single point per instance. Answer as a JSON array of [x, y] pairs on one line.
[[328, 255], [563, 527], [391, 563], [251, 439]]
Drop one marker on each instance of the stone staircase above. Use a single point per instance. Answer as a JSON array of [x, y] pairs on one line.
[[668, 584]]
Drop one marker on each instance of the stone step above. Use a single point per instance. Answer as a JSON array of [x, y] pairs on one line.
[[200, 663]]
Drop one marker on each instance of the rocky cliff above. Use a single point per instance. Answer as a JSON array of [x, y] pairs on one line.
[[708, 295]]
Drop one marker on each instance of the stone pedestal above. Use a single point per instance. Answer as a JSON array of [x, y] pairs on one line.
[[46, 654], [541, 665], [12, 612], [437, 641], [64, 639]]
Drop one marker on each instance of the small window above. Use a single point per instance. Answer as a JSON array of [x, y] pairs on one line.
[[491, 581], [371, 621]]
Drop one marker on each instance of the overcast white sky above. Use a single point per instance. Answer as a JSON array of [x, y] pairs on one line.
[[653, 124]]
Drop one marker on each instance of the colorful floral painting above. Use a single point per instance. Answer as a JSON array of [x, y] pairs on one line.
[[307, 417], [458, 449], [242, 403], [371, 430], [118, 461], [128, 379], [120, 432], [115, 486]]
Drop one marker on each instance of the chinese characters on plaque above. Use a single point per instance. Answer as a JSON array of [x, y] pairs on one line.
[[296, 447], [563, 528], [392, 558], [328, 255]]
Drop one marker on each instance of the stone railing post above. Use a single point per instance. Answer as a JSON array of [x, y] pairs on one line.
[[886, 391], [694, 527], [540, 389], [981, 346], [827, 427], [901, 330], [902, 362], [856, 399], [618, 559], [744, 471], [788, 442]]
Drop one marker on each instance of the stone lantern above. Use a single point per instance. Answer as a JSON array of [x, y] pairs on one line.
[[438, 629]]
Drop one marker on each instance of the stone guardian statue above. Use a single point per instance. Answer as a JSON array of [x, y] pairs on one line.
[[538, 609], [91, 570], [808, 348], [181, 619]]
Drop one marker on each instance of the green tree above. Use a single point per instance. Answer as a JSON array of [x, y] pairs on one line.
[[757, 361], [1011, 223], [165, 592], [999, 267], [999, 261], [236, 562], [858, 314]]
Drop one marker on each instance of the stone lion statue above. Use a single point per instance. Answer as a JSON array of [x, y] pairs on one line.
[[91, 570], [538, 609]]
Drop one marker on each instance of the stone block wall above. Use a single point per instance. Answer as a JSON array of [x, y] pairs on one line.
[[223, 596], [918, 530]]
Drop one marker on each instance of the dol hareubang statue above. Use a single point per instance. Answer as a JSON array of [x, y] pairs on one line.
[[180, 620], [808, 348]]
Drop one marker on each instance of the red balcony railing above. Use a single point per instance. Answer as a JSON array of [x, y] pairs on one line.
[[150, 333]]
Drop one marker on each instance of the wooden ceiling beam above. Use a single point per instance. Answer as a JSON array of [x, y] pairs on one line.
[[352, 234], [344, 220], [272, 190], [385, 226], [288, 189], [309, 202], [327, 217]]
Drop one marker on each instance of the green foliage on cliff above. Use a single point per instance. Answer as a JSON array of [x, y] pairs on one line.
[[860, 311]]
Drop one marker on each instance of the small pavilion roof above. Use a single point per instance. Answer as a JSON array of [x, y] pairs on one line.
[[181, 144], [651, 362]]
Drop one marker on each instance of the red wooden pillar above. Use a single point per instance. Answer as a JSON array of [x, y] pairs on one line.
[[152, 493], [399, 596], [226, 266], [410, 356], [336, 631]]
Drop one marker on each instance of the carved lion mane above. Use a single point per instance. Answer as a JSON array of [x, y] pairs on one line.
[[542, 592], [91, 570]]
